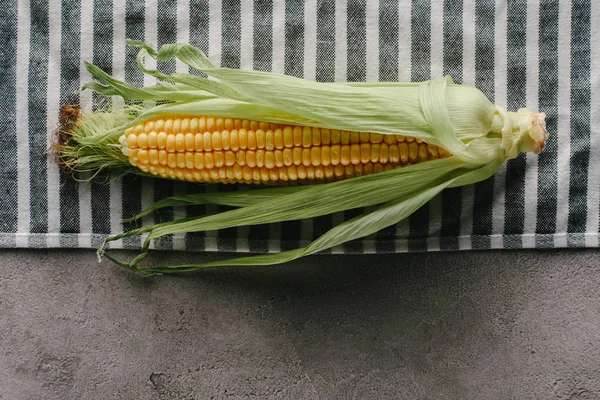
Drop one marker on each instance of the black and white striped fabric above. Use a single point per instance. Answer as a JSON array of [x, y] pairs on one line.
[[542, 55]]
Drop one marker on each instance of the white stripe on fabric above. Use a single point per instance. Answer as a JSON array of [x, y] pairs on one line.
[[437, 71], [310, 40], [22, 121], [183, 36], [214, 54], [404, 75], [150, 36], [183, 30], [53, 105], [118, 71], [278, 65], [468, 59], [564, 121], [372, 41], [532, 95], [500, 99], [247, 35], [85, 101], [404, 46], [341, 41], [246, 62], [593, 205], [278, 58]]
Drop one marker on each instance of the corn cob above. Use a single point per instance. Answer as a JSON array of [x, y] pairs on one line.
[[232, 150], [263, 128]]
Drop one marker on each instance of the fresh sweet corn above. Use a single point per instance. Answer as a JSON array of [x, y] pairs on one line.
[[243, 151]]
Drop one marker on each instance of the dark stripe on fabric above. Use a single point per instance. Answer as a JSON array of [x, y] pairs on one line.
[[102, 50], [453, 66], [8, 102], [262, 42], [580, 118], [294, 65], [132, 185], [69, 85], [37, 109], [263, 35], [483, 196], [421, 71], [324, 72], [356, 71], [514, 211], [199, 33], [166, 33], [548, 101], [388, 72], [231, 33], [294, 38]]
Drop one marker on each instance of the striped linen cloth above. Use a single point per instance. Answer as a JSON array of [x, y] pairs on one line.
[[543, 55]]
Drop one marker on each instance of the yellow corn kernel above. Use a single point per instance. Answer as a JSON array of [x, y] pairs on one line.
[[153, 156], [288, 137], [339, 171], [354, 137], [225, 140], [345, 137], [432, 152], [243, 138], [306, 137], [306, 160], [185, 125], [365, 153], [207, 141], [161, 140], [413, 151], [301, 170], [176, 125], [245, 124], [335, 136], [171, 160], [152, 140], [142, 141], [315, 156], [251, 158], [335, 154], [132, 141], [237, 172], [310, 172], [194, 126], [181, 160], [316, 136], [325, 136], [297, 132], [288, 157], [283, 176], [143, 156], [389, 139], [189, 160], [229, 158], [219, 158], [365, 137], [228, 124], [403, 147], [292, 172], [422, 152], [269, 140], [138, 129], [383, 153], [260, 138], [240, 158], [162, 157], [251, 140], [274, 174], [169, 126], [254, 125], [355, 154], [325, 155], [345, 155], [159, 125], [297, 155], [408, 139], [180, 142], [216, 142], [260, 158], [375, 138], [234, 141], [264, 175], [210, 124], [394, 153], [329, 171], [278, 138], [269, 159], [170, 145]]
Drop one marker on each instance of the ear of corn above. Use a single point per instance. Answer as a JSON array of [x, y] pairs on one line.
[[395, 145]]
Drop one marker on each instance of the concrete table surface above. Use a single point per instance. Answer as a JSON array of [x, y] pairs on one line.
[[465, 325]]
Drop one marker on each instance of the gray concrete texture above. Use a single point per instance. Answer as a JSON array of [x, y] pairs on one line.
[[465, 325]]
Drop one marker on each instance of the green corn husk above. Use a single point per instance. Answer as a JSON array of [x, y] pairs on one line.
[[479, 135]]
